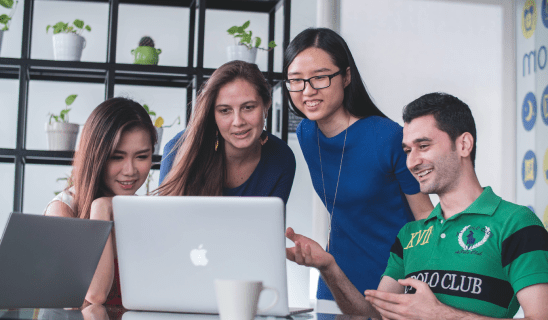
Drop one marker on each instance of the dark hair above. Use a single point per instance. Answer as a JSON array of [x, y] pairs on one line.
[[356, 99], [452, 115], [198, 169], [100, 136]]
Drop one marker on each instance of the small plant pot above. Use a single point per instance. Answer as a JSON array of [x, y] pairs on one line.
[[146, 55], [159, 132], [62, 136], [241, 53], [68, 46], [1, 36]]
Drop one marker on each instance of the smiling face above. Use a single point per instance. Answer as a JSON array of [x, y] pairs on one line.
[[240, 115], [431, 155], [127, 168], [318, 104]]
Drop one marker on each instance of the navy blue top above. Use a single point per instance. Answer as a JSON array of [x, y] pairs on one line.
[[370, 207], [273, 176]]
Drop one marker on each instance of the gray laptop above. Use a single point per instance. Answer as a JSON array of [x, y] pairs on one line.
[[49, 262], [171, 249]]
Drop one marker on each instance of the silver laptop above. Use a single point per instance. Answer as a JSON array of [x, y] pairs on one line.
[[171, 249], [49, 262]]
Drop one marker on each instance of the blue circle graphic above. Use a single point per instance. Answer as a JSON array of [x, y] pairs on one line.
[[531, 208], [544, 13], [529, 170], [544, 104], [529, 111]]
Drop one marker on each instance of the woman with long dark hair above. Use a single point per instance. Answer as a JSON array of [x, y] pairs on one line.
[[224, 150], [114, 157], [354, 155]]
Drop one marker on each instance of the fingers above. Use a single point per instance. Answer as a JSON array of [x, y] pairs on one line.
[[290, 254], [290, 234], [417, 284]]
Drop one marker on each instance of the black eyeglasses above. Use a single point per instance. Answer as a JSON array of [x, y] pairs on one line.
[[318, 82]]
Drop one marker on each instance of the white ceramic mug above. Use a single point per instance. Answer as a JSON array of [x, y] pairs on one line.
[[238, 299]]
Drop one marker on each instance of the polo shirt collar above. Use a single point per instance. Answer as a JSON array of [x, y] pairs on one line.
[[485, 204]]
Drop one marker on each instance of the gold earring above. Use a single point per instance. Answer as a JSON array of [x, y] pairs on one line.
[[216, 140]]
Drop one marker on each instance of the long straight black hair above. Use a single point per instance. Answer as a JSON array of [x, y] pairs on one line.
[[356, 99]]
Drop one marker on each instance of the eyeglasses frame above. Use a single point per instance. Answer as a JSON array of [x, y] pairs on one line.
[[310, 83]]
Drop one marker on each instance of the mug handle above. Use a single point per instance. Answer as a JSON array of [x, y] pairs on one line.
[[84, 43], [159, 51], [273, 303]]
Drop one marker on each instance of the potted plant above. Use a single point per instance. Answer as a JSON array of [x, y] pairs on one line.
[[4, 18], [62, 134], [247, 46], [159, 124], [68, 42], [145, 53]]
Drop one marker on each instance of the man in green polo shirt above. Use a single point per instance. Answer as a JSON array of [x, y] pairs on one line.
[[475, 257]]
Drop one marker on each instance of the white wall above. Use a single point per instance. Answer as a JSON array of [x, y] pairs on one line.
[[407, 48]]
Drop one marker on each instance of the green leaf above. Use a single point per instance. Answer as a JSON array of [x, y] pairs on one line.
[[152, 113], [55, 117], [4, 19], [240, 30], [64, 112], [6, 3], [246, 38], [78, 23], [257, 42], [88, 28], [47, 28], [146, 107], [62, 116], [232, 30], [70, 99], [246, 24], [61, 179], [272, 44], [60, 24], [5, 28]]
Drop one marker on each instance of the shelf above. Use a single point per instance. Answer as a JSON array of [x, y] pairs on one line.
[[111, 74], [243, 5], [49, 157]]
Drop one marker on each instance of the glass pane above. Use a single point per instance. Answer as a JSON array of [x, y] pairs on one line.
[[7, 175], [50, 12], [47, 97], [217, 39], [168, 103], [167, 26], [9, 91], [41, 185], [11, 40]]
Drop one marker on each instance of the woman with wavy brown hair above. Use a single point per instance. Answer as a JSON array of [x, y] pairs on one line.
[[114, 157], [224, 150]]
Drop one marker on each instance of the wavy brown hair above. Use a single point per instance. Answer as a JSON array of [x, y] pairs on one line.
[[199, 170], [100, 136]]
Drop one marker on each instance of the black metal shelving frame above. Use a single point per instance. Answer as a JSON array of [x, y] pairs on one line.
[[110, 73]]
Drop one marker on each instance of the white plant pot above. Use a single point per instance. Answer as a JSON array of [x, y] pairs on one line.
[[62, 136], [68, 46], [241, 53], [1, 35], [160, 132]]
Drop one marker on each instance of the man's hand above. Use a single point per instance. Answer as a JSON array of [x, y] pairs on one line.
[[421, 305], [307, 252]]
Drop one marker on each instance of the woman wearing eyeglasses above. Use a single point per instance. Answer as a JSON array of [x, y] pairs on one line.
[[354, 155]]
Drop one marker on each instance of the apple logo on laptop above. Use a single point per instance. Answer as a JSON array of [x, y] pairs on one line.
[[198, 256]]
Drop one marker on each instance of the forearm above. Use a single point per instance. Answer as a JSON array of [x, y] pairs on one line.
[[103, 277], [348, 298]]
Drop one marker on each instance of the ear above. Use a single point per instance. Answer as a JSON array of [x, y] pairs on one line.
[[347, 77], [265, 111], [465, 144]]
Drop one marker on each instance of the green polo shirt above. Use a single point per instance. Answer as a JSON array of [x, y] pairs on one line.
[[478, 259]]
